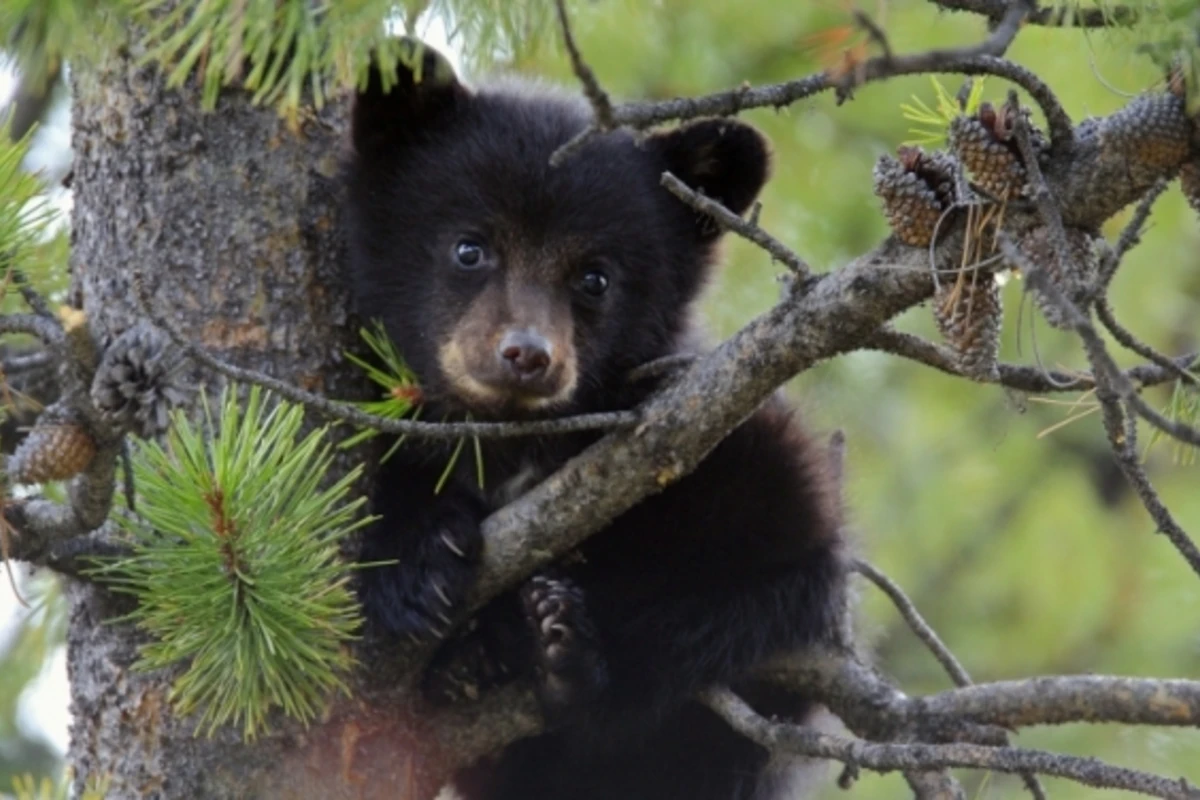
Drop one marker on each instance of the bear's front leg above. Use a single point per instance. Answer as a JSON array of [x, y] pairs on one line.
[[435, 543]]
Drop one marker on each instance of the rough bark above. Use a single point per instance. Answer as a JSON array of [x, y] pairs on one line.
[[233, 218]]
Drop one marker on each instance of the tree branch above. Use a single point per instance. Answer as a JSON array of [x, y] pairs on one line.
[[591, 86], [1129, 341], [1019, 377], [1055, 700], [345, 412], [749, 231], [916, 622], [795, 739], [1112, 385], [933, 642], [646, 114], [1059, 17]]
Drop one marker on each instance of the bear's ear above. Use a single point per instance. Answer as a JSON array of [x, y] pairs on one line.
[[422, 90], [724, 159]]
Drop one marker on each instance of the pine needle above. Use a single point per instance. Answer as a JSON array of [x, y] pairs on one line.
[[931, 123], [235, 564]]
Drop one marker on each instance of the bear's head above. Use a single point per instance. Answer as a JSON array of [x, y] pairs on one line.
[[512, 287]]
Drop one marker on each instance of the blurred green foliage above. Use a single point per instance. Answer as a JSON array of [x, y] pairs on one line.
[[1025, 550], [29, 642]]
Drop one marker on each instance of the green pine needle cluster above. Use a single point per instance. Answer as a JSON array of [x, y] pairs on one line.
[[401, 399], [43, 33], [933, 123], [26, 787], [1184, 408], [286, 52], [25, 217], [236, 567], [496, 30]]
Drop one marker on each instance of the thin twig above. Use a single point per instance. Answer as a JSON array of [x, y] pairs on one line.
[[646, 114], [1008, 26], [48, 330], [1130, 236], [732, 222], [876, 33], [345, 412], [915, 621], [1112, 386], [1018, 377], [601, 104], [1128, 340], [26, 361], [925, 632], [33, 299]]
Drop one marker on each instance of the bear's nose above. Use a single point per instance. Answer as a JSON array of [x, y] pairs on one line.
[[525, 353]]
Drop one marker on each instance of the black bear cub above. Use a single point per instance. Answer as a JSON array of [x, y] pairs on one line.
[[517, 290]]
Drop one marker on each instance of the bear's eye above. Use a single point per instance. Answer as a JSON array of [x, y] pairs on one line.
[[469, 254], [594, 283]]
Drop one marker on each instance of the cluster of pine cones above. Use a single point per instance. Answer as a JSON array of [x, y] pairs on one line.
[[920, 191]]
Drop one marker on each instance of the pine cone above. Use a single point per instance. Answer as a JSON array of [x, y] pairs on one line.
[[984, 144], [56, 449], [969, 314], [1189, 182], [1075, 284], [916, 189], [1152, 128], [139, 380]]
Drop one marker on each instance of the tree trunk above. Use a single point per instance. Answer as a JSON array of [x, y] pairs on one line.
[[233, 217]]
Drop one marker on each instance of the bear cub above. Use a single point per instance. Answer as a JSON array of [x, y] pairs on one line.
[[519, 290]]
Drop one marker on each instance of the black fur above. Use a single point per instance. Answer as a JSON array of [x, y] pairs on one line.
[[735, 563]]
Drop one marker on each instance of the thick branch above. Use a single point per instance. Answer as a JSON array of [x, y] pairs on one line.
[[1075, 698]]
